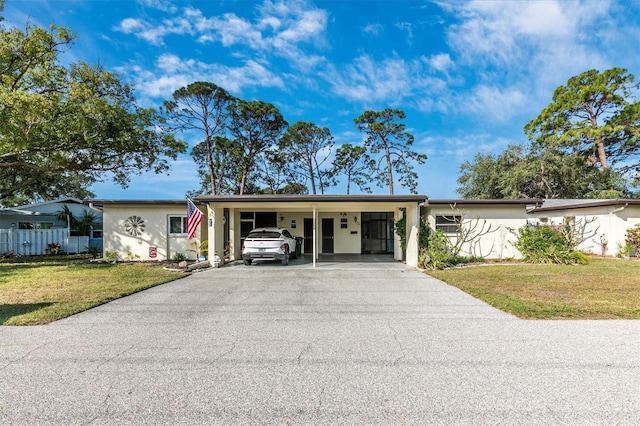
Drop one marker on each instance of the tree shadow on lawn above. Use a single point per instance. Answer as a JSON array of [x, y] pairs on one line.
[[9, 311]]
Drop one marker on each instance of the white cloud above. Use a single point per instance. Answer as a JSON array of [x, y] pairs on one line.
[[373, 29], [509, 51], [162, 5], [279, 27], [173, 72], [513, 33], [130, 25], [154, 34], [408, 27], [541, 19], [494, 103], [441, 62], [368, 81]]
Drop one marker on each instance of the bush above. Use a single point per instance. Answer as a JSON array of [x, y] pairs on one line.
[[544, 244], [632, 239], [178, 257], [111, 256], [439, 253]]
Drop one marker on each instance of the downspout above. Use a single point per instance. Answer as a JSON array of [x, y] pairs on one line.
[[95, 209], [619, 209], [612, 212]]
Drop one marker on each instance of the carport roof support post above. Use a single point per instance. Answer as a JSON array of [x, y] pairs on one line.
[[413, 228]]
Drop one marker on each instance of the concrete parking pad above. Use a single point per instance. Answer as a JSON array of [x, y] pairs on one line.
[[279, 345]]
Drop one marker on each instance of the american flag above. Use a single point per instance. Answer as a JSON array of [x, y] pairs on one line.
[[194, 217]]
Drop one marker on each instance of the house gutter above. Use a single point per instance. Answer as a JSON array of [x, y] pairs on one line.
[[94, 208], [619, 209]]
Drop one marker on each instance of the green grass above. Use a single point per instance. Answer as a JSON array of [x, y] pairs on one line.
[[602, 289], [40, 290]]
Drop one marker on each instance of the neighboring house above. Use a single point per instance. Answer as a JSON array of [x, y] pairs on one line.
[[344, 224], [604, 222], [30, 229], [492, 222]]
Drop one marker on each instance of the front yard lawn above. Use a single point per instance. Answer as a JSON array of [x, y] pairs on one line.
[[602, 289], [40, 290]]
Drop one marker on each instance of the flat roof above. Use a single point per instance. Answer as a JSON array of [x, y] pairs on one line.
[[519, 201], [97, 202], [269, 198], [581, 204]]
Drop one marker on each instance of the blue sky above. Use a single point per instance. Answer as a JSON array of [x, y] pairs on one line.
[[468, 74]]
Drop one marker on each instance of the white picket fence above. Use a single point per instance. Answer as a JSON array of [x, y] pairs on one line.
[[30, 242]]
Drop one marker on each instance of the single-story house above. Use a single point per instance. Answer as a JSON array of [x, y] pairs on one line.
[[344, 224], [31, 228], [42, 215], [352, 224]]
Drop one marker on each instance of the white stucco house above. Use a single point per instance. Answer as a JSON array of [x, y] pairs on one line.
[[341, 224], [604, 222], [492, 221], [351, 224]]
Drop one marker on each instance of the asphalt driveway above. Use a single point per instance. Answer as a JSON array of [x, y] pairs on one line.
[[279, 345]]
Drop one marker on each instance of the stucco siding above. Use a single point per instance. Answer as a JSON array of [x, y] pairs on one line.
[[605, 227], [495, 228], [154, 237]]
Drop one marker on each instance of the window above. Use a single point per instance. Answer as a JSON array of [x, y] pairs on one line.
[[177, 225], [263, 235], [448, 224], [44, 225], [26, 225]]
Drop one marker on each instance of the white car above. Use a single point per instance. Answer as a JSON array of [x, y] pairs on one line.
[[271, 244]]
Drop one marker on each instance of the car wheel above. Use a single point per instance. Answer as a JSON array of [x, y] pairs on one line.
[[285, 260], [247, 262]]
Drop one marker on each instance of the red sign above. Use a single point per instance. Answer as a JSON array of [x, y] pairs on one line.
[[153, 252]]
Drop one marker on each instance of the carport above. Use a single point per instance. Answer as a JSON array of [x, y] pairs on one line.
[[329, 224]]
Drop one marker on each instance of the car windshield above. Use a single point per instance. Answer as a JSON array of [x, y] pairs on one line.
[[263, 234]]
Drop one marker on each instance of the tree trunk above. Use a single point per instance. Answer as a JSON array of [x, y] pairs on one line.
[[243, 180], [210, 164], [602, 156], [311, 175], [389, 168]]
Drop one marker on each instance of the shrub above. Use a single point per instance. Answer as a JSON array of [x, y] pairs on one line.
[[130, 257], [93, 250], [632, 239], [178, 257], [111, 256], [439, 253], [544, 244]]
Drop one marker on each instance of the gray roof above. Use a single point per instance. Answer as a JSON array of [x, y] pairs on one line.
[[368, 198], [570, 204], [498, 202]]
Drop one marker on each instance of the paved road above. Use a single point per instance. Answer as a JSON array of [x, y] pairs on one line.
[[271, 345]]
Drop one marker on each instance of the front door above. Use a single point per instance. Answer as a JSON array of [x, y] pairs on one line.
[[308, 235], [327, 235]]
